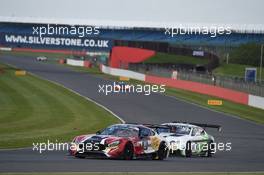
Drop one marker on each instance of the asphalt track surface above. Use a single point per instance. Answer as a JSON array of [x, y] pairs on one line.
[[247, 138]]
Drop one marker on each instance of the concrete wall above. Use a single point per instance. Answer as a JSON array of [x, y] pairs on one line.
[[122, 72], [5, 48], [256, 101], [75, 62], [228, 94]]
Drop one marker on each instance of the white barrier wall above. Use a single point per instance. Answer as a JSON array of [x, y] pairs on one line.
[[75, 62], [5, 49], [256, 101], [124, 73]]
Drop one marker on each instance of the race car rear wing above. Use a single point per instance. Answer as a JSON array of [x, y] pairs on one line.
[[159, 126], [218, 127], [155, 126]]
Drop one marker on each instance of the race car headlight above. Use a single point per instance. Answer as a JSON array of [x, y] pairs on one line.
[[115, 143]]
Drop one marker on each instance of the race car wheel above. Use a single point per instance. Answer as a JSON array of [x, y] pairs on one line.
[[188, 149], [163, 151], [128, 152]]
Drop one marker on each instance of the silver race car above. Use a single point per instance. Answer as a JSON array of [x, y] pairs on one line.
[[188, 139]]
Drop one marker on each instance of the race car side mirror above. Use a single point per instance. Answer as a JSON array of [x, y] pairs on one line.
[[98, 132]]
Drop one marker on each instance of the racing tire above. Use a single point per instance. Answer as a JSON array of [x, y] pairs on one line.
[[128, 152], [162, 152], [188, 149]]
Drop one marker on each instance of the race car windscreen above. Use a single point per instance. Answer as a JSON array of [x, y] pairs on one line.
[[121, 131], [163, 130], [181, 130]]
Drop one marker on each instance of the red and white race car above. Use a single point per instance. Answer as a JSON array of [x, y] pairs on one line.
[[121, 141]]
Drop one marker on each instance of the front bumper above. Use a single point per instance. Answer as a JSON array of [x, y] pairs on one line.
[[103, 152]]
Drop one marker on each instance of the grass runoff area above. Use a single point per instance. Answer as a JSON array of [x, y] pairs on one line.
[[35, 110], [176, 59], [126, 173], [228, 107]]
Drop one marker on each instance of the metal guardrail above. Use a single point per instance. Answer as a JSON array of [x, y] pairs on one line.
[[235, 83]]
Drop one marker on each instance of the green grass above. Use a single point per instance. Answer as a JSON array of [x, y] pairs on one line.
[[237, 70], [126, 173], [35, 110], [176, 59], [228, 107]]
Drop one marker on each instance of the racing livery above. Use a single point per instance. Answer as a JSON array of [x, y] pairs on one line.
[[188, 139], [121, 141]]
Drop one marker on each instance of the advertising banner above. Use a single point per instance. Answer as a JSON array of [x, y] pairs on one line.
[[15, 40]]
